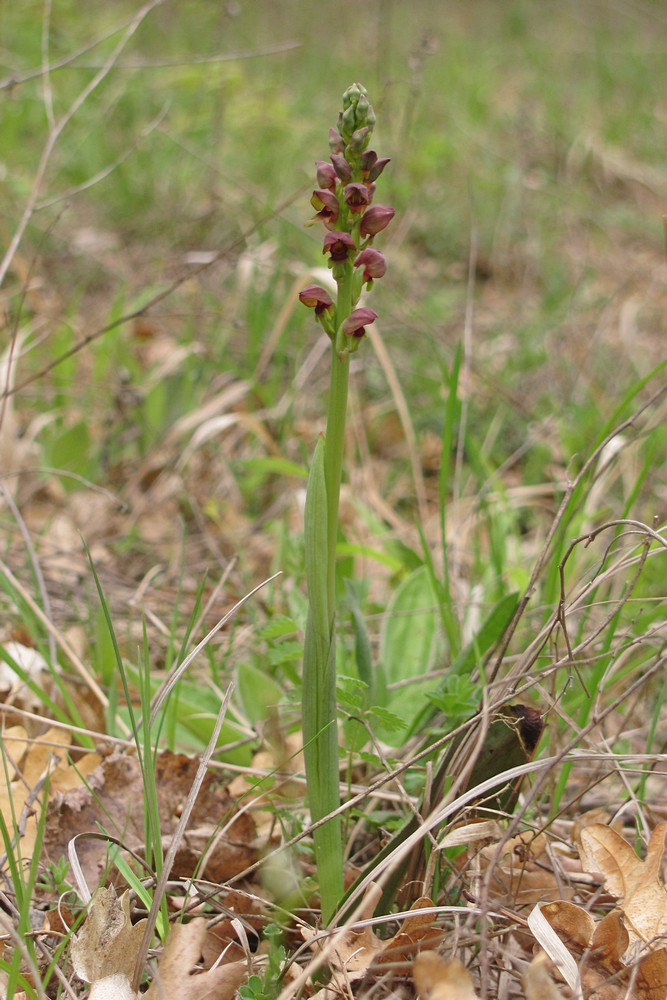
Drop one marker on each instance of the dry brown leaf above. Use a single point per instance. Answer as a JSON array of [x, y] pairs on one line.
[[108, 943], [438, 979], [517, 879], [31, 756], [651, 980], [418, 933], [610, 940], [574, 926], [537, 981], [176, 972], [113, 798], [636, 882], [598, 954], [361, 954], [354, 948]]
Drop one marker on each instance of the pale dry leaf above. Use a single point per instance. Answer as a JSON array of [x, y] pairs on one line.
[[116, 987], [175, 976], [635, 882], [438, 979], [537, 981], [108, 943]]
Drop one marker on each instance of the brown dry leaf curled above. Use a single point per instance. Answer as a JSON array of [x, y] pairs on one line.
[[438, 979], [108, 943], [636, 882], [176, 973], [598, 950]]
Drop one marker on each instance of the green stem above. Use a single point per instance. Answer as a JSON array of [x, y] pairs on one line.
[[333, 464], [319, 673]]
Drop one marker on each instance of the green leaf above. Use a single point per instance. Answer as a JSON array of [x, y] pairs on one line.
[[279, 626], [489, 634], [258, 691], [285, 652], [409, 642]]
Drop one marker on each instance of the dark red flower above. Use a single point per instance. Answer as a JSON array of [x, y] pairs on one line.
[[371, 166], [375, 219], [339, 245], [354, 325], [356, 197], [341, 167], [373, 263], [327, 206], [317, 298], [326, 175]]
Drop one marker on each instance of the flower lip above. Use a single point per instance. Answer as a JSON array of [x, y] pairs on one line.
[[316, 297], [375, 219], [339, 245], [354, 325], [373, 263]]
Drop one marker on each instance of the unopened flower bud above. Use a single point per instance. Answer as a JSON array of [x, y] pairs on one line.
[[336, 142], [341, 167], [375, 219], [371, 165], [357, 113], [354, 325], [359, 139], [326, 175], [339, 245]]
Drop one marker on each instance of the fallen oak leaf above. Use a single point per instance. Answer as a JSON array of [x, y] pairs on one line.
[[633, 881], [593, 966], [176, 975]]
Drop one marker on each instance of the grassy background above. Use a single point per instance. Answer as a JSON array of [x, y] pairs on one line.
[[528, 179]]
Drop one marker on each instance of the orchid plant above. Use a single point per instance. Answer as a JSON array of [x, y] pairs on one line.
[[343, 201]]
